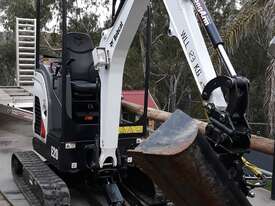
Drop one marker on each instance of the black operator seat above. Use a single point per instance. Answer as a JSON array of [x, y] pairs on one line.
[[79, 60]]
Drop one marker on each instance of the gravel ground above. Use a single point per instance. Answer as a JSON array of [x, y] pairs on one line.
[[262, 198]]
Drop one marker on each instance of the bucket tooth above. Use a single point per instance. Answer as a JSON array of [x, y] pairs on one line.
[[185, 167]]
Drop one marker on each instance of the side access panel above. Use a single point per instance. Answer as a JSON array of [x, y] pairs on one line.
[[69, 157]]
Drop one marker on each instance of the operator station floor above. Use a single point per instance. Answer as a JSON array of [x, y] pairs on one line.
[[15, 135]]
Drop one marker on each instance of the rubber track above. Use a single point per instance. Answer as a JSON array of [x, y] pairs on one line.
[[38, 183]]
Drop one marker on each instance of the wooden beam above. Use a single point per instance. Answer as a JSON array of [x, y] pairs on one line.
[[257, 143]]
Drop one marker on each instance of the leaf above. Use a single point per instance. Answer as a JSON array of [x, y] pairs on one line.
[[244, 23]]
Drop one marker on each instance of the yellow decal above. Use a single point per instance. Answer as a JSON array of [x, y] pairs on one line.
[[130, 129]]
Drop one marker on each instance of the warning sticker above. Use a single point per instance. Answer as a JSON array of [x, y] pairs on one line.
[[130, 129]]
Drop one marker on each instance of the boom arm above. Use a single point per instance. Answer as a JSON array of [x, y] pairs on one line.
[[184, 26], [110, 57], [116, 42]]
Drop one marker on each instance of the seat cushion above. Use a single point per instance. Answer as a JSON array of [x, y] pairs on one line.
[[79, 57], [83, 86]]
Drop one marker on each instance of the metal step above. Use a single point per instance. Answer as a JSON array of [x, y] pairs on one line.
[[27, 31], [23, 99], [26, 25], [26, 76], [26, 48], [26, 54], [25, 19], [25, 70], [26, 82], [26, 42], [23, 93], [26, 65], [26, 36], [26, 59], [10, 89], [19, 94], [26, 79], [14, 89]]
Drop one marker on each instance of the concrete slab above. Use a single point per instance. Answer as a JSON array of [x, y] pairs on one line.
[[262, 198], [15, 135], [3, 201], [16, 96]]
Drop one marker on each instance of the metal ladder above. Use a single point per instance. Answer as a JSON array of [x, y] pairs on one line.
[[25, 51]]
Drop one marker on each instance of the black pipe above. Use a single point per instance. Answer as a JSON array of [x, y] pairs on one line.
[[147, 69], [118, 10], [210, 27], [38, 17], [113, 10], [208, 22], [64, 72]]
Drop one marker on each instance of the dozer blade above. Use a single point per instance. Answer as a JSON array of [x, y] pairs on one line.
[[38, 183], [185, 167]]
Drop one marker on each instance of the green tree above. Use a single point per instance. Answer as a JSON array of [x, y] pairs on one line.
[[24, 9], [7, 63], [247, 36], [172, 83]]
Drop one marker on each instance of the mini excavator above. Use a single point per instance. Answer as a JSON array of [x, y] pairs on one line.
[[77, 108]]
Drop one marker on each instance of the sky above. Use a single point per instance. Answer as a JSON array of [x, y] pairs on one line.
[[1, 26]]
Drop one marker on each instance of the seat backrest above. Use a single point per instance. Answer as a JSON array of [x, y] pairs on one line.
[[78, 51]]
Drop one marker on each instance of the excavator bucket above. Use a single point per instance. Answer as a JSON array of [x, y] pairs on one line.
[[182, 163]]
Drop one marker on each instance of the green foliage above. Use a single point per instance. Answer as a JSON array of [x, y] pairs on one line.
[[248, 34], [24, 9], [268, 185], [133, 76], [7, 63], [172, 83], [250, 60], [171, 78], [87, 24]]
